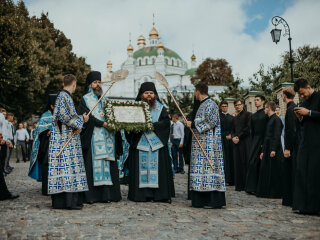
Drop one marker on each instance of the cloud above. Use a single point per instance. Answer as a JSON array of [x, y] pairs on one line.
[[99, 30]]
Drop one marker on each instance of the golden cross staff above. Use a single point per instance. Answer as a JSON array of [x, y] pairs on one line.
[[164, 82], [115, 77]]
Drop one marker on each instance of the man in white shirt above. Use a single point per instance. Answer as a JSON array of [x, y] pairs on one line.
[[177, 137], [21, 138], [10, 139], [4, 137]]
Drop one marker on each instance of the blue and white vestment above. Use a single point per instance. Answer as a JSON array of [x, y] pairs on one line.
[[67, 172], [208, 131]]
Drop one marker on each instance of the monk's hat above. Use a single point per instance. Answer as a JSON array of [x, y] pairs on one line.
[[93, 76], [51, 101], [147, 86]]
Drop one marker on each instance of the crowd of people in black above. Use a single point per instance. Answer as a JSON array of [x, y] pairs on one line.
[[260, 161]]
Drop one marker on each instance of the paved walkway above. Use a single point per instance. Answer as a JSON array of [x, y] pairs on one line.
[[245, 217]]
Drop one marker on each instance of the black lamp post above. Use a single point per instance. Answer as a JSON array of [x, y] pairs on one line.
[[276, 34]]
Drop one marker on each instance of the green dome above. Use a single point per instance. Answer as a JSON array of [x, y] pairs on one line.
[[153, 51], [191, 72]]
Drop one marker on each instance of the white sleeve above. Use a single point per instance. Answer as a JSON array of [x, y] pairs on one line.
[[182, 132], [1, 123], [27, 134], [5, 132]]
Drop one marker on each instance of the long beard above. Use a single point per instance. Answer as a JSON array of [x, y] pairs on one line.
[[97, 91], [151, 102]]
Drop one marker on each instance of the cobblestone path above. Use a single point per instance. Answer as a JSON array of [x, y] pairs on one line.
[[245, 217]]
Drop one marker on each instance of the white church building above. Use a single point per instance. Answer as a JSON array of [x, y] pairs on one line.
[[147, 59]]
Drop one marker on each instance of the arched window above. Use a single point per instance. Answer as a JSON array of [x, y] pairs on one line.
[[172, 62], [153, 60], [139, 62], [146, 61], [166, 61]]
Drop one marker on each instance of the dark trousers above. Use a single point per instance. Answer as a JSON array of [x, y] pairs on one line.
[[4, 193], [175, 149], [3, 154], [21, 148], [29, 149]]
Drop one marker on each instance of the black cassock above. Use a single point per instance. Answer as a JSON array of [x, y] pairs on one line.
[[270, 178], [166, 184], [188, 141], [98, 193], [289, 164], [241, 129], [43, 155], [226, 121], [306, 196], [258, 127]]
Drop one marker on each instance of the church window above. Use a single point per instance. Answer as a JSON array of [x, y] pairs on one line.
[[139, 62], [172, 62], [166, 61], [146, 61], [153, 60]]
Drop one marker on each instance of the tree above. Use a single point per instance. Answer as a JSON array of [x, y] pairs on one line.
[[234, 90], [307, 65], [214, 71], [34, 58], [185, 101]]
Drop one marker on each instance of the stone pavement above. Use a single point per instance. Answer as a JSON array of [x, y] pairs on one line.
[[245, 217]]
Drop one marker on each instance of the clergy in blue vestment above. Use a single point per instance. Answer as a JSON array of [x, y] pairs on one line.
[[99, 146], [66, 173], [40, 148], [149, 163], [207, 185]]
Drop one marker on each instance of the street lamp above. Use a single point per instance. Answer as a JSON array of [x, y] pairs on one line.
[[276, 34]]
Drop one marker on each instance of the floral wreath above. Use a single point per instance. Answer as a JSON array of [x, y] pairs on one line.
[[113, 125]]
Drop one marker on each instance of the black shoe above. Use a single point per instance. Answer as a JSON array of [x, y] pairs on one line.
[[17, 161], [182, 172], [10, 168], [10, 197], [176, 171], [75, 208], [7, 171]]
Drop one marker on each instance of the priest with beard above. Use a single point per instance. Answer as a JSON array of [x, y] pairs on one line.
[[258, 127], [306, 196], [40, 148], [270, 175], [99, 147], [151, 177]]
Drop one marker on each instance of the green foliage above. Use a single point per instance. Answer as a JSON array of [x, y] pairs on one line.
[[307, 65], [185, 101], [234, 90], [34, 58], [114, 125], [214, 71]]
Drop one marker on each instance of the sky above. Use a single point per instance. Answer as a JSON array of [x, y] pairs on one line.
[[236, 30]]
